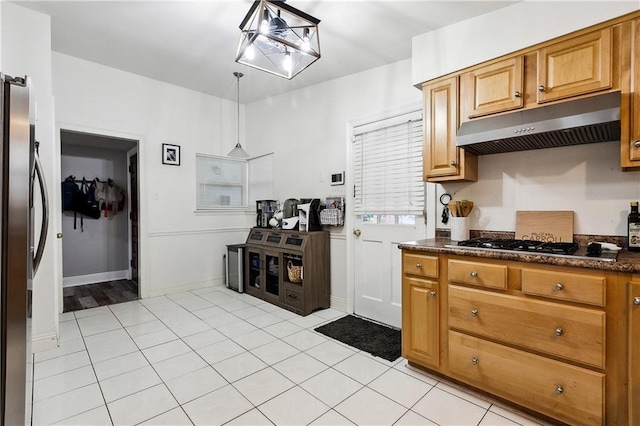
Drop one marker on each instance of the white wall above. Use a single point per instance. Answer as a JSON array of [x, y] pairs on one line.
[[585, 179], [26, 49], [103, 247], [307, 131], [179, 248], [503, 31]]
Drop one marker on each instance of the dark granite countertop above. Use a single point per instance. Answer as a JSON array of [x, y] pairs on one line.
[[628, 262]]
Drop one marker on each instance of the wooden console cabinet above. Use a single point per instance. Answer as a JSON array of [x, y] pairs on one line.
[[269, 252], [550, 339]]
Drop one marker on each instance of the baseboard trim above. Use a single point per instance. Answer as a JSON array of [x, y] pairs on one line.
[[339, 304], [186, 287], [95, 278], [44, 342]]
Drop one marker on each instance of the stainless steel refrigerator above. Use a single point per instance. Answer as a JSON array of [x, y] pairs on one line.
[[19, 260]]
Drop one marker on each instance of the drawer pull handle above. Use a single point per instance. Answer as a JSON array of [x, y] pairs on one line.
[[636, 300], [292, 296], [418, 265], [475, 360], [559, 389], [474, 274], [432, 293], [559, 331], [474, 312], [559, 286]]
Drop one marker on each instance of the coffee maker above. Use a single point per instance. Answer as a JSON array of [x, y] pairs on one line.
[[264, 212], [309, 214]]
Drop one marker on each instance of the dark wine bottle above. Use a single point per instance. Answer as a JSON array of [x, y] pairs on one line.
[[633, 227]]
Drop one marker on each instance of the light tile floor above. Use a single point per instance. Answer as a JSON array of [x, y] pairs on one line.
[[212, 356]]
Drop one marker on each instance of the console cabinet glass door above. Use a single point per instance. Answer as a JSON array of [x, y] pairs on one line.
[[253, 282], [272, 264]]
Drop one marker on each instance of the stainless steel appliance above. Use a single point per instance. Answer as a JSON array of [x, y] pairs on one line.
[[19, 262], [264, 212], [234, 267], [567, 250], [581, 121]]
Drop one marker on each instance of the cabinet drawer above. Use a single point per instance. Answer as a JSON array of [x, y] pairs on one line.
[[571, 394], [565, 286], [293, 296], [420, 264], [478, 273], [569, 332]]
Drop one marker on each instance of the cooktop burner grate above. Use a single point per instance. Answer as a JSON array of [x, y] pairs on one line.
[[520, 245]]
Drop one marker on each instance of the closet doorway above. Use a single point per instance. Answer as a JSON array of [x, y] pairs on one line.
[[100, 244]]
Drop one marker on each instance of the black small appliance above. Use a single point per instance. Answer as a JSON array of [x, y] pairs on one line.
[[264, 212]]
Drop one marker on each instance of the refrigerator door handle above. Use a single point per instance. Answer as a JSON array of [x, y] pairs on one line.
[[45, 213]]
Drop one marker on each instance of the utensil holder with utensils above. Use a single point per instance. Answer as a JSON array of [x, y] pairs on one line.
[[460, 211]]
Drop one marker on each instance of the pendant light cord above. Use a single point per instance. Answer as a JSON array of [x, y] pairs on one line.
[[238, 75]]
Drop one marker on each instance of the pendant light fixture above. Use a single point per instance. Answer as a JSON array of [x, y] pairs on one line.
[[238, 152], [278, 39]]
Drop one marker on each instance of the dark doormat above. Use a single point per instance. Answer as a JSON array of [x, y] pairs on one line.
[[378, 340]]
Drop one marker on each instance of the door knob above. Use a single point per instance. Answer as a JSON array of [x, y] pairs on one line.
[[357, 232]]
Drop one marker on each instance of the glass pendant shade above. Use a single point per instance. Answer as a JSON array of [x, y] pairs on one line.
[[278, 39]]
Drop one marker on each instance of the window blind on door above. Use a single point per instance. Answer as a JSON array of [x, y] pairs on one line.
[[387, 158]]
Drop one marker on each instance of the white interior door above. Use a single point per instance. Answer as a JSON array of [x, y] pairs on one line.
[[378, 268]]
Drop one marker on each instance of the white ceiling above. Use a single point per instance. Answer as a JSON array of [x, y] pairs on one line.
[[193, 43]]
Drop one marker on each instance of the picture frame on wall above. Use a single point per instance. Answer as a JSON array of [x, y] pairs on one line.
[[171, 154]]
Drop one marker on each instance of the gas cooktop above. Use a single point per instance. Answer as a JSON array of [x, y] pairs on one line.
[[566, 250]]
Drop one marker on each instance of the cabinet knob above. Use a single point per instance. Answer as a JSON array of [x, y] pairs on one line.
[[559, 286], [559, 389], [475, 360], [636, 300], [559, 331], [474, 274], [418, 265], [517, 94], [357, 232], [541, 88], [453, 163], [474, 312], [637, 144], [432, 293]]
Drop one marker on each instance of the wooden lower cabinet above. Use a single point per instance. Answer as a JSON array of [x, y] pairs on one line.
[[420, 315], [558, 341], [634, 352], [563, 391], [269, 255]]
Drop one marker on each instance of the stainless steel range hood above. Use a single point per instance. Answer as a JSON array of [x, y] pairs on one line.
[[588, 120]]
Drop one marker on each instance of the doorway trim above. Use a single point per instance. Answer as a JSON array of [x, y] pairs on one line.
[[57, 208]]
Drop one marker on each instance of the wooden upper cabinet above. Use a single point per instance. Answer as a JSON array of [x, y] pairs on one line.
[[442, 160], [630, 148], [493, 88], [576, 66]]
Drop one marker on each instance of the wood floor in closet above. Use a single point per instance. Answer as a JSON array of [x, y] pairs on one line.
[[99, 294]]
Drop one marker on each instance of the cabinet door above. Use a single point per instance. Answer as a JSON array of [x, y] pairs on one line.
[[493, 88], [253, 284], [420, 335], [634, 353], [440, 126], [574, 67], [272, 262], [633, 149]]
